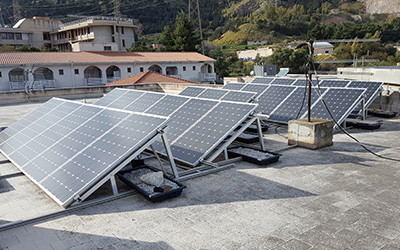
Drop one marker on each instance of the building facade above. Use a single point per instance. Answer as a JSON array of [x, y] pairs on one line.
[[43, 70], [87, 34]]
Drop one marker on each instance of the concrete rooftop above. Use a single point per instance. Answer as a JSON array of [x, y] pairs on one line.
[[340, 197]]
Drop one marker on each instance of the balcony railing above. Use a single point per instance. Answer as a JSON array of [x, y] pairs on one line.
[[207, 77], [35, 85], [98, 18], [92, 81]]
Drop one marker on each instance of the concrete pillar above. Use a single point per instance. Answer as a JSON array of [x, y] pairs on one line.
[[313, 135]]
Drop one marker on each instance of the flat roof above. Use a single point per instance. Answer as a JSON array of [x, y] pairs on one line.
[[333, 198]]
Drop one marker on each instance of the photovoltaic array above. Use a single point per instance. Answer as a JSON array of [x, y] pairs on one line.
[[197, 125], [372, 88], [283, 102], [66, 148], [218, 94]]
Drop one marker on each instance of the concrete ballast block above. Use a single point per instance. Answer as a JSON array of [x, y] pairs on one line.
[[315, 134]]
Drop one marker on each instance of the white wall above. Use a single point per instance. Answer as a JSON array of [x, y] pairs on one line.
[[381, 74], [69, 79]]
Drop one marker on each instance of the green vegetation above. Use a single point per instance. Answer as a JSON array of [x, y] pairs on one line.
[[182, 37]]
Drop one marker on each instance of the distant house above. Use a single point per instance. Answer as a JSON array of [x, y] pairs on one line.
[[88, 34], [323, 48], [251, 54], [38, 70], [260, 42], [149, 77]]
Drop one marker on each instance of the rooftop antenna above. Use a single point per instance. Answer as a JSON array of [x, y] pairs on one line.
[[194, 14], [16, 11]]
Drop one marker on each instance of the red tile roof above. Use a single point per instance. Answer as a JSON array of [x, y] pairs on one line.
[[148, 77], [99, 57]]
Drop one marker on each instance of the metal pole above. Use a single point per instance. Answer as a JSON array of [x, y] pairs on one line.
[[310, 68]]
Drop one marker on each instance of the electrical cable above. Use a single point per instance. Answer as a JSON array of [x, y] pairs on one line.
[[342, 128]]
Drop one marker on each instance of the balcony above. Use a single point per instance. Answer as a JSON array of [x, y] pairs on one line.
[[207, 77], [93, 81]]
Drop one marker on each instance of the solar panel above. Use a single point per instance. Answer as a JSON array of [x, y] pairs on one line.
[[340, 101], [334, 83], [304, 82], [214, 94], [192, 91], [234, 86], [21, 124], [372, 90], [272, 98], [265, 80], [193, 116], [257, 88], [209, 131], [219, 94], [290, 107], [239, 96], [167, 105], [143, 102], [283, 81], [73, 146]]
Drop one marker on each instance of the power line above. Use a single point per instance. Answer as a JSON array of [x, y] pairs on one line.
[[194, 15]]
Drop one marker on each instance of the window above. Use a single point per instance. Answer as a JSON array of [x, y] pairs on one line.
[[61, 72], [122, 30], [3, 35], [141, 69], [129, 70], [46, 36], [1, 74], [326, 52], [76, 71], [18, 36], [184, 68], [123, 43], [107, 48], [10, 35], [194, 67]]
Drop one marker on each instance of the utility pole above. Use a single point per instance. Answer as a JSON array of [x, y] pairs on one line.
[[16, 11], [194, 15], [117, 8], [2, 24]]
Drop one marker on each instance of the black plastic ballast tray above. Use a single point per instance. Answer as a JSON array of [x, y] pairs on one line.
[[253, 128], [248, 138], [131, 178], [255, 156]]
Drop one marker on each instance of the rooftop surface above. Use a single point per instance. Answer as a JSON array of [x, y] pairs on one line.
[[340, 197]]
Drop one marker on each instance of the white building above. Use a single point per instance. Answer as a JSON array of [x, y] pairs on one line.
[[38, 70], [387, 74], [252, 53], [88, 34], [323, 48]]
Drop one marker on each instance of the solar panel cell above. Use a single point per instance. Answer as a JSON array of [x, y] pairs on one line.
[[283, 81], [192, 91], [234, 86]]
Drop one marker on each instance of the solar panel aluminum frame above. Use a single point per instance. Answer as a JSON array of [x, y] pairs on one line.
[[346, 114], [369, 102], [116, 166], [129, 156], [111, 175], [204, 157]]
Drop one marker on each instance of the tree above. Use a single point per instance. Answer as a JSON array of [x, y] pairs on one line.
[[183, 37], [167, 39]]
